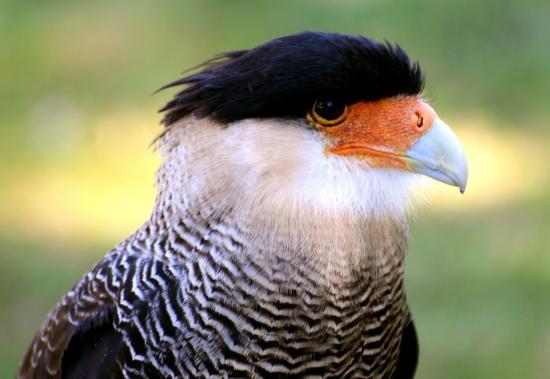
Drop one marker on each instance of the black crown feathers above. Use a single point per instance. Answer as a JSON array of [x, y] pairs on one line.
[[282, 78]]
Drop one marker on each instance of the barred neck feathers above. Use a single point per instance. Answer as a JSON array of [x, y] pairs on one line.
[[275, 174]]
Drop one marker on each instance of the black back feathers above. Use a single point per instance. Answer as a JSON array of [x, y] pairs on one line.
[[282, 78]]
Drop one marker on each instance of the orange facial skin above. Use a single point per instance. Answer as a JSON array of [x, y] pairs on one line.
[[381, 131]]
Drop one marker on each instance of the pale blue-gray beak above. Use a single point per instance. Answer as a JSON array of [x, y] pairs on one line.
[[439, 155]]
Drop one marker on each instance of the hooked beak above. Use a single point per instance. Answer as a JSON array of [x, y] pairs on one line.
[[439, 155]]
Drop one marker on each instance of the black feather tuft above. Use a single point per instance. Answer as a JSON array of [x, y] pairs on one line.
[[283, 77]]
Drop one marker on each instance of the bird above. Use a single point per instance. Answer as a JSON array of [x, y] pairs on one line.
[[277, 240]]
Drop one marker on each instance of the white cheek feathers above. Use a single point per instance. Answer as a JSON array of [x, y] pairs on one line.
[[278, 165]]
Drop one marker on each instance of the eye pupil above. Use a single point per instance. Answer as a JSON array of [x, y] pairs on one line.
[[327, 112], [329, 109]]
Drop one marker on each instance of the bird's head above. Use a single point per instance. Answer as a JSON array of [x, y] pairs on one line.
[[322, 115]]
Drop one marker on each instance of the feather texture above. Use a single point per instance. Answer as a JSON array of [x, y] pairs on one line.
[[283, 77], [235, 277]]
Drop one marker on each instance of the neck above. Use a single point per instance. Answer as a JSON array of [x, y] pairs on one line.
[[244, 214], [274, 182]]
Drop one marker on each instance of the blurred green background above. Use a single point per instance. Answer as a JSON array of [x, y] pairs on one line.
[[77, 116]]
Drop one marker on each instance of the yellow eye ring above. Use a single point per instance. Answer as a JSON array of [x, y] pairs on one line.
[[326, 112]]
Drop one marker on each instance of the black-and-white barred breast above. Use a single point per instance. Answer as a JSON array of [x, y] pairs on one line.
[[195, 302]]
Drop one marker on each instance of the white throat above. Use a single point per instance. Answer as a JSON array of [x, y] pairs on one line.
[[278, 166]]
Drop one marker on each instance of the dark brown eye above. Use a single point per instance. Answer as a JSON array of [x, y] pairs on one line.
[[328, 112]]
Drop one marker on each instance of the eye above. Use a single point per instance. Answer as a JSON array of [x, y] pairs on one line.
[[328, 112]]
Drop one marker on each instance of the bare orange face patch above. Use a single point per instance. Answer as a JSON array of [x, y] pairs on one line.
[[380, 131]]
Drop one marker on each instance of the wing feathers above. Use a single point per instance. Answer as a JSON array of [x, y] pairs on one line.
[[408, 356]]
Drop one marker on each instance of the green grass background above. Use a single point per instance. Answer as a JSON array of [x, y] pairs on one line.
[[478, 279]]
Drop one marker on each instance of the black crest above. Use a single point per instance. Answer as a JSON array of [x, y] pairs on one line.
[[282, 78]]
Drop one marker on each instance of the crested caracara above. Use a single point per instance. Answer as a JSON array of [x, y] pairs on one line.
[[277, 241]]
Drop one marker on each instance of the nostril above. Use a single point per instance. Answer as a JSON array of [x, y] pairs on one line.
[[419, 121]]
